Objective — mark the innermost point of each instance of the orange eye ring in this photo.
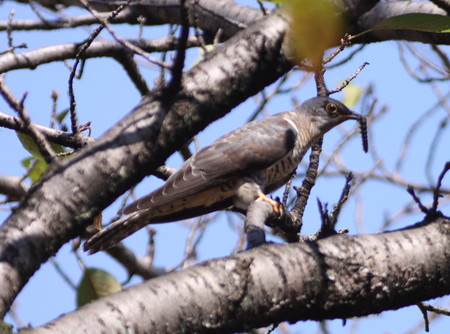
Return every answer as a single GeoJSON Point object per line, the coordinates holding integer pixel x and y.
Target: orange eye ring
{"type": "Point", "coordinates": [331, 108]}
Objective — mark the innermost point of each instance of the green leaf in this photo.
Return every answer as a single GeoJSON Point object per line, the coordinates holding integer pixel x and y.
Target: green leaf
{"type": "Point", "coordinates": [421, 22]}
{"type": "Point", "coordinates": [418, 21]}
{"type": "Point", "coordinates": [94, 284]}
{"type": "Point", "coordinates": [60, 117]}
{"type": "Point", "coordinates": [29, 144]}
{"type": "Point", "coordinates": [35, 168]}
{"type": "Point", "coordinates": [352, 94]}
{"type": "Point", "coordinates": [38, 168]}
{"type": "Point", "coordinates": [57, 148]}
{"type": "Point", "coordinates": [27, 162]}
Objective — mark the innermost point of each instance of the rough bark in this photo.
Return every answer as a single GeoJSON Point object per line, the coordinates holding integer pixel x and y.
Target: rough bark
{"type": "Point", "coordinates": [337, 277]}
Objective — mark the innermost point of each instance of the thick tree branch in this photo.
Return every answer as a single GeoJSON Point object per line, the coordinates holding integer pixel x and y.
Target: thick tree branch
{"type": "Point", "coordinates": [333, 278]}
{"type": "Point", "coordinates": [48, 54]}
{"type": "Point", "coordinates": [90, 180]}
{"type": "Point", "coordinates": [226, 15]}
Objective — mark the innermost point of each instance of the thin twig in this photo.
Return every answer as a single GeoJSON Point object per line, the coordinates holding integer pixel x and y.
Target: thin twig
{"type": "Point", "coordinates": [13, 48]}
{"type": "Point", "coordinates": [436, 192]}
{"type": "Point", "coordinates": [344, 196]}
{"type": "Point", "coordinates": [323, 210]}
{"type": "Point", "coordinates": [195, 22]}
{"type": "Point", "coordinates": [319, 78]}
{"type": "Point", "coordinates": [287, 189]}
{"type": "Point", "coordinates": [425, 316]}
{"type": "Point", "coordinates": [435, 309]}
{"type": "Point", "coordinates": [411, 191]}
{"type": "Point", "coordinates": [309, 180]}
{"type": "Point", "coordinates": [86, 44]}
{"type": "Point", "coordinates": [105, 23]}
{"type": "Point", "coordinates": [64, 276]}
{"type": "Point", "coordinates": [178, 64]}
{"type": "Point", "coordinates": [9, 30]}
{"type": "Point", "coordinates": [54, 97]}
{"type": "Point", "coordinates": [345, 41]}
{"type": "Point", "coordinates": [349, 79]}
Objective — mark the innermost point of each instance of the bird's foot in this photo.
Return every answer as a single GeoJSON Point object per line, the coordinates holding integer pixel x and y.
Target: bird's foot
{"type": "Point", "coordinates": [277, 207]}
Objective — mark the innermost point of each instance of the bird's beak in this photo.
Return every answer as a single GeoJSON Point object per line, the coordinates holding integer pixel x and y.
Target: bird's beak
{"type": "Point", "coordinates": [351, 115]}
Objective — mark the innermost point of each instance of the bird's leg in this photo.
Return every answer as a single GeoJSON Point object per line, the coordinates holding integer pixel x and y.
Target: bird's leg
{"type": "Point", "coordinates": [277, 207]}
{"type": "Point", "coordinates": [258, 212]}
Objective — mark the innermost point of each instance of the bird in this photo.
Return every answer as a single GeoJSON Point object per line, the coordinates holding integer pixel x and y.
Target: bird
{"type": "Point", "coordinates": [235, 170]}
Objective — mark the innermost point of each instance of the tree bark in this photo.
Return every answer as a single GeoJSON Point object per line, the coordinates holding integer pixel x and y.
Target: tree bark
{"type": "Point", "coordinates": [337, 277]}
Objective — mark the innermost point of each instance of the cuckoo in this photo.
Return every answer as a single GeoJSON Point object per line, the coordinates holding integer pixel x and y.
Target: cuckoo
{"type": "Point", "coordinates": [237, 169]}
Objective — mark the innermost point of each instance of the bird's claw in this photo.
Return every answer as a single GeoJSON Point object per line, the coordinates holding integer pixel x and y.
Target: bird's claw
{"type": "Point", "coordinates": [276, 205]}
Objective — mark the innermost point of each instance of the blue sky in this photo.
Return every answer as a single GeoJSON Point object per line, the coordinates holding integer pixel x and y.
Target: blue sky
{"type": "Point", "coordinates": [105, 95]}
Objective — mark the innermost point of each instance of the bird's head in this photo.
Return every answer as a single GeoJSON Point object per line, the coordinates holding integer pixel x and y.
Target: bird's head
{"type": "Point", "coordinates": [325, 113]}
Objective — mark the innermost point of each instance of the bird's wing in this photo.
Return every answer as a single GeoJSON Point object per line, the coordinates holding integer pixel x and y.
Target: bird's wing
{"type": "Point", "coordinates": [253, 147]}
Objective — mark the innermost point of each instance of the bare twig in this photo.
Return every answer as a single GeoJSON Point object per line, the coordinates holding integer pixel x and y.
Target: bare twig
{"type": "Point", "coordinates": [54, 97]}
{"type": "Point", "coordinates": [422, 207]}
{"type": "Point", "coordinates": [349, 79]}
{"type": "Point", "coordinates": [425, 316]}
{"type": "Point", "coordinates": [105, 23]}
{"type": "Point", "coordinates": [61, 272]}
{"type": "Point", "coordinates": [287, 189]}
{"type": "Point", "coordinates": [134, 264]}
{"type": "Point", "coordinates": [9, 29]}
{"type": "Point", "coordinates": [345, 41]}
{"type": "Point", "coordinates": [320, 80]}
{"type": "Point", "coordinates": [13, 48]}
{"type": "Point", "coordinates": [73, 115]}
{"type": "Point", "coordinates": [436, 192]}
{"type": "Point", "coordinates": [324, 217]}
{"type": "Point", "coordinates": [194, 238]}
{"type": "Point", "coordinates": [195, 20]}
{"type": "Point", "coordinates": [435, 309]}
{"type": "Point", "coordinates": [309, 180]}
{"type": "Point", "coordinates": [178, 64]}
{"type": "Point", "coordinates": [344, 196]}
{"type": "Point", "coordinates": [62, 22]}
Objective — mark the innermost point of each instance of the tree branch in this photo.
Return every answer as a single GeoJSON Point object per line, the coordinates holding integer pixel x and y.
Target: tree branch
{"type": "Point", "coordinates": [57, 136]}
{"type": "Point", "coordinates": [333, 278]}
{"type": "Point", "coordinates": [12, 187]}
{"type": "Point", "coordinates": [225, 15]}
{"type": "Point", "coordinates": [131, 150]}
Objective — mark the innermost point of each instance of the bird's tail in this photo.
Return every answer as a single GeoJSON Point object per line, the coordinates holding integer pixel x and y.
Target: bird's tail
{"type": "Point", "coordinates": [115, 232]}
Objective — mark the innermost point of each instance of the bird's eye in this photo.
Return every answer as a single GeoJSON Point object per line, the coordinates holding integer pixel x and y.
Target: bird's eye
{"type": "Point", "coordinates": [331, 108]}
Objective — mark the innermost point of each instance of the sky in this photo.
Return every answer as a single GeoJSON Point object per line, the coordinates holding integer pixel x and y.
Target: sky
{"type": "Point", "coordinates": [105, 95]}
